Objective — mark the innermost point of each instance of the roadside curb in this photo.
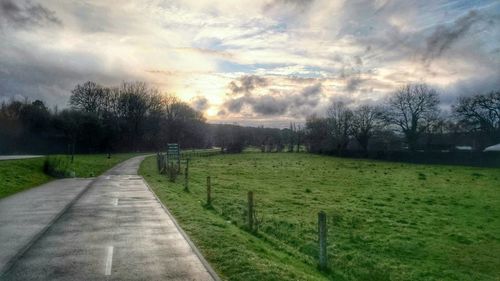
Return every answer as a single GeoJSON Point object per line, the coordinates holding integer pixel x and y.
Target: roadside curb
{"type": "Point", "coordinates": [205, 263]}
{"type": "Point", "coordinates": [8, 266]}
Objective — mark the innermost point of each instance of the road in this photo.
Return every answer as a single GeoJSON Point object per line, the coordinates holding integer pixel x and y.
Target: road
{"type": "Point", "coordinates": [15, 157]}
{"type": "Point", "coordinates": [26, 214]}
{"type": "Point", "coordinates": [116, 230]}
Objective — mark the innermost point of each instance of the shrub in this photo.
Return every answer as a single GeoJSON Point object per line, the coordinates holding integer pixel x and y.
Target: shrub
{"type": "Point", "coordinates": [58, 167]}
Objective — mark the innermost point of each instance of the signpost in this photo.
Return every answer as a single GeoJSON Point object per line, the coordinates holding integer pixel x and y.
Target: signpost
{"type": "Point", "coordinates": [174, 155]}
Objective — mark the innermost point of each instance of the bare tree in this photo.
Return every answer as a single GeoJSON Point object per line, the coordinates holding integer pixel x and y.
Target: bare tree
{"type": "Point", "coordinates": [89, 97]}
{"type": "Point", "coordinates": [365, 120]}
{"type": "Point", "coordinates": [340, 118]}
{"type": "Point", "coordinates": [412, 109]}
{"type": "Point", "coordinates": [481, 112]}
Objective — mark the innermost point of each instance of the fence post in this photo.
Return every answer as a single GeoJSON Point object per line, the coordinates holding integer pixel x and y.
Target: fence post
{"type": "Point", "coordinates": [186, 178]}
{"type": "Point", "coordinates": [209, 192]}
{"type": "Point", "coordinates": [158, 162]}
{"type": "Point", "coordinates": [322, 239]}
{"type": "Point", "coordinates": [250, 211]}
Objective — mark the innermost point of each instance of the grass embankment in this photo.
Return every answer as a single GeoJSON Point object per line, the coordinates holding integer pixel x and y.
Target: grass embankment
{"type": "Point", "coordinates": [387, 221]}
{"type": "Point", "coordinates": [18, 175]}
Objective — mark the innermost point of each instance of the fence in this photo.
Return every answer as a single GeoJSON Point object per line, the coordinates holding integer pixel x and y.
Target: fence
{"type": "Point", "coordinates": [251, 221]}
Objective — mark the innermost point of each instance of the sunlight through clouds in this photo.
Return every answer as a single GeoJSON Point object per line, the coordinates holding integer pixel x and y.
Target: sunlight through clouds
{"type": "Point", "coordinates": [356, 50]}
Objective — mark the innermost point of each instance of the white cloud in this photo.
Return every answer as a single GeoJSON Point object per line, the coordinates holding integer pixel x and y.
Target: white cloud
{"type": "Point", "coordinates": [195, 48]}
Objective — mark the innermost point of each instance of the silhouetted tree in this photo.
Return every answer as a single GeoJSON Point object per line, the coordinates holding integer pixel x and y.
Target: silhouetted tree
{"type": "Point", "coordinates": [412, 109]}
{"type": "Point", "coordinates": [482, 113]}
{"type": "Point", "coordinates": [88, 97]}
{"type": "Point", "coordinates": [365, 121]}
{"type": "Point", "coordinates": [340, 121]}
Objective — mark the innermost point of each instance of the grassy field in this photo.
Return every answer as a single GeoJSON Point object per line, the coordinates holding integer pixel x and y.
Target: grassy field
{"type": "Point", "coordinates": [387, 221]}
{"type": "Point", "coordinates": [18, 175]}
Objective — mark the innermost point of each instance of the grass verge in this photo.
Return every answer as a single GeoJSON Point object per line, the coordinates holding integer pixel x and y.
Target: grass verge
{"type": "Point", "coordinates": [18, 175]}
{"type": "Point", "coordinates": [387, 221]}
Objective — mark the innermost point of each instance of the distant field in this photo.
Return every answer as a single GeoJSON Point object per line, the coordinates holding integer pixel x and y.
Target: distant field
{"type": "Point", "coordinates": [18, 175]}
{"type": "Point", "coordinates": [387, 221]}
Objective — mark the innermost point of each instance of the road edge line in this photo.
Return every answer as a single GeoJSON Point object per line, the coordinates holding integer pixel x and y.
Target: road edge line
{"type": "Point", "coordinates": [197, 252]}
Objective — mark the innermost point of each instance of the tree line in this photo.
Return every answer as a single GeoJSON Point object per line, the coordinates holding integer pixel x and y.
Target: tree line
{"type": "Point", "coordinates": [410, 119]}
{"type": "Point", "coordinates": [134, 116]}
{"type": "Point", "coordinates": [130, 117]}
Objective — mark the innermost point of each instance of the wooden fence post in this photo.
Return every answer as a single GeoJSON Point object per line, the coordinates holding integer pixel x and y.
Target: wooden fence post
{"type": "Point", "coordinates": [250, 211]}
{"type": "Point", "coordinates": [209, 192]}
{"type": "Point", "coordinates": [322, 240]}
{"type": "Point", "coordinates": [186, 176]}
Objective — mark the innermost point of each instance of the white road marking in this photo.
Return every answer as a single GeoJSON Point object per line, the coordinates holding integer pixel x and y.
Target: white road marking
{"type": "Point", "coordinates": [115, 202]}
{"type": "Point", "coordinates": [109, 260]}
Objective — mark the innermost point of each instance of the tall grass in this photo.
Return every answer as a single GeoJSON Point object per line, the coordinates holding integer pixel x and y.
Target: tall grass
{"type": "Point", "coordinates": [58, 167]}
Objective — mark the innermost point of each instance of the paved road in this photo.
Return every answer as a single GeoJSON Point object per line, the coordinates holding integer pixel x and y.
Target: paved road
{"type": "Point", "coordinates": [25, 214]}
{"type": "Point", "coordinates": [116, 230]}
{"type": "Point", "coordinates": [15, 157]}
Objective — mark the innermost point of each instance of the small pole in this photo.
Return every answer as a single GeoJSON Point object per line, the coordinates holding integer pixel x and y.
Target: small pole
{"type": "Point", "coordinates": [73, 152]}
{"type": "Point", "coordinates": [186, 177]}
{"type": "Point", "coordinates": [322, 239]}
{"type": "Point", "coordinates": [250, 211]}
{"type": "Point", "coordinates": [209, 192]}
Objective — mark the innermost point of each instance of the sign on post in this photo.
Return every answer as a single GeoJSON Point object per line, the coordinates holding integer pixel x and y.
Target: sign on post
{"type": "Point", "coordinates": [174, 155]}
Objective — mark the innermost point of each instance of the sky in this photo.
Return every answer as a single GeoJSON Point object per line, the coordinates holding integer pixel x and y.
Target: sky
{"type": "Point", "coordinates": [255, 62]}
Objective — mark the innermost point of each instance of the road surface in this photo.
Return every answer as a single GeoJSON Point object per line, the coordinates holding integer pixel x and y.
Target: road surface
{"type": "Point", "coordinates": [116, 230]}
{"type": "Point", "coordinates": [25, 214]}
{"type": "Point", "coordinates": [15, 157]}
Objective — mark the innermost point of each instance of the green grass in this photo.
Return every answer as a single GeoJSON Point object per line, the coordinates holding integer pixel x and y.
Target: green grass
{"type": "Point", "coordinates": [18, 175]}
{"type": "Point", "coordinates": [387, 221]}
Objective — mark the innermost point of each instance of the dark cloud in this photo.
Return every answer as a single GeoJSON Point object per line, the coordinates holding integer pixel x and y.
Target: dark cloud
{"type": "Point", "coordinates": [352, 84]}
{"type": "Point", "coordinates": [268, 105]}
{"type": "Point", "coordinates": [274, 102]}
{"type": "Point", "coordinates": [444, 36]}
{"type": "Point", "coordinates": [200, 103]}
{"type": "Point", "coordinates": [28, 72]}
{"type": "Point", "coordinates": [26, 14]}
{"type": "Point", "coordinates": [235, 105]}
{"type": "Point", "coordinates": [309, 96]}
{"type": "Point", "coordinates": [470, 87]}
{"type": "Point", "coordinates": [247, 83]}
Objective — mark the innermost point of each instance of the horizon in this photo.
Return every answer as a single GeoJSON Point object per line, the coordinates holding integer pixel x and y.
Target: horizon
{"type": "Point", "coordinates": [259, 63]}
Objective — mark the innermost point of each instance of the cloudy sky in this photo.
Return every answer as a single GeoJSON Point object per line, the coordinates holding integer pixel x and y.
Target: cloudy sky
{"type": "Point", "coordinates": [260, 62]}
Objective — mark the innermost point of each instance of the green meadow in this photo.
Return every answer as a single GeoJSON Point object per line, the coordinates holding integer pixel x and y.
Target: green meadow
{"type": "Point", "coordinates": [386, 221]}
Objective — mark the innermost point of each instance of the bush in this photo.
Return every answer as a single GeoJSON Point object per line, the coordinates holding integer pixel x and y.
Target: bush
{"type": "Point", "coordinates": [58, 167]}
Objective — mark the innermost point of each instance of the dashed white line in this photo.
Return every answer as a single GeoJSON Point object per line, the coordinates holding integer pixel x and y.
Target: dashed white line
{"type": "Point", "coordinates": [109, 261]}
{"type": "Point", "coordinates": [115, 202]}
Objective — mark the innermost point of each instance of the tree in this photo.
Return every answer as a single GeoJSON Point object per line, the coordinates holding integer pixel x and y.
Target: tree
{"type": "Point", "coordinates": [482, 113]}
{"type": "Point", "coordinates": [412, 109]}
{"type": "Point", "coordinates": [317, 135]}
{"type": "Point", "coordinates": [133, 105]}
{"type": "Point", "coordinates": [340, 121]}
{"type": "Point", "coordinates": [365, 120]}
{"type": "Point", "coordinates": [89, 97]}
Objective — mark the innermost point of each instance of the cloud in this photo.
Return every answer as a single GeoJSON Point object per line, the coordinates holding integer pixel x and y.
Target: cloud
{"type": "Point", "coordinates": [258, 95]}
{"type": "Point", "coordinates": [308, 96]}
{"type": "Point", "coordinates": [21, 14]}
{"type": "Point", "coordinates": [200, 103]}
{"type": "Point", "coordinates": [444, 36]}
{"type": "Point", "coordinates": [247, 83]}
{"type": "Point", "coordinates": [271, 61]}
{"type": "Point", "coordinates": [352, 84]}
{"type": "Point", "coordinates": [269, 105]}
